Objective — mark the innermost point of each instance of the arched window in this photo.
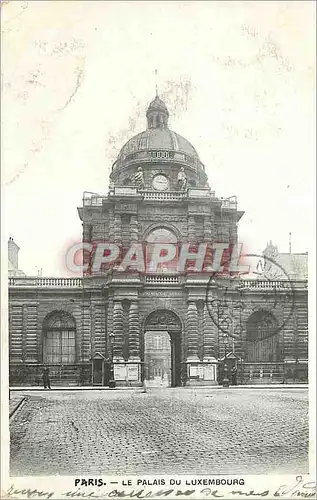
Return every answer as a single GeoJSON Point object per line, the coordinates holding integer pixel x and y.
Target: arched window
{"type": "Point", "coordinates": [261, 325]}
{"type": "Point", "coordinates": [59, 330]}
{"type": "Point", "coordinates": [127, 181]}
{"type": "Point", "coordinates": [262, 337]}
{"type": "Point", "coordinates": [161, 235]}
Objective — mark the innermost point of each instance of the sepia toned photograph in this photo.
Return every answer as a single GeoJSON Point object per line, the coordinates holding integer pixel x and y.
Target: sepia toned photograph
{"type": "Point", "coordinates": [158, 167]}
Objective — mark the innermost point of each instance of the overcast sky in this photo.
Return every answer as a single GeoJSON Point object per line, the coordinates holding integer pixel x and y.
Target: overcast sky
{"type": "Point", "coordinates": [238, 79]}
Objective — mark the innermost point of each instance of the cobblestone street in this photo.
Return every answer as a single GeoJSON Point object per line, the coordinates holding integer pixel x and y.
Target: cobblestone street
{"type": "Point", "coordinates": [172, 431]}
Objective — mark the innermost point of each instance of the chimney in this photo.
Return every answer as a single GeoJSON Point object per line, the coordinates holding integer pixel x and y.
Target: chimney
{"type": "Point", "coordinates": [13, 253]}
{"type": "Point", "coordinates": [290, 242]}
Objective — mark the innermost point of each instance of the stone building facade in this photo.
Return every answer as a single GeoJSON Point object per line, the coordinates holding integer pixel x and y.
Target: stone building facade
{"type": "Point", "coordinates": [158, 193]}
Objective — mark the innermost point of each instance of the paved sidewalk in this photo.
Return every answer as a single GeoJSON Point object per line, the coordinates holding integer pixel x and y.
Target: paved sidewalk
{"type": "Point", "coordinates": [73, 388]}
{"type": "Point", "coordinates": [191, 387]}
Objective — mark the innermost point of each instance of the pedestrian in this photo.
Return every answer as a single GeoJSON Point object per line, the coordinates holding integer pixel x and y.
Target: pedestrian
{"type": "Point", "coordinates": [234, 375]}
{"type": "Point", "coordinates": [46, 378]}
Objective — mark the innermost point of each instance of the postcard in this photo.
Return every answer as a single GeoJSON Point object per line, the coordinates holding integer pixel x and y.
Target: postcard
{"type": "Point", "coordinates": [158, 274]}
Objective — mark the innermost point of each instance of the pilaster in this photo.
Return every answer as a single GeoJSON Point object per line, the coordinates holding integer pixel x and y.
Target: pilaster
{"type": "Point", "coordinates": [134, 332]}
{"type": "Point", "coordinates": [118, 331]}
{"type": "Point", "coordinates": [207, 229]}
{"type": "Point", "coordinates": [117, 228]}
{"type": "Point", "coordinates": [134, 236]}
{"type": "Point", "coordinates": [191, 228]}
{"type": "Point", "coordinates": [208, 335]}
{"type": "Point", "coordinates": [192, 332]}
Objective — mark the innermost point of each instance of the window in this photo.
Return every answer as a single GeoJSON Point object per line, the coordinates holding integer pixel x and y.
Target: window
{"type": "Point", "coordinates": [161, 235]}
{"type": "Point", "coordinates": [127, 181]}
{"type": "Point", "coordinates": [261, 325]}
{"type": "Point", "coordinates": [262, 340]}
{"type": "Point", "coordinates": [59, 338]}
{"type": "Point", "coordinates": [158, 342]}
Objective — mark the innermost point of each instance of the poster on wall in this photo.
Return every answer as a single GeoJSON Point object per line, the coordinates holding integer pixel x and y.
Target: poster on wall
{"type": "Point", "coordinates": [133, 372]}
{"type": "Point", "coordinates": [120, 372]}
{"type": "Point", "coordinates": [193, 371]}
{"type": "Point", "coordinates": [209, 372]}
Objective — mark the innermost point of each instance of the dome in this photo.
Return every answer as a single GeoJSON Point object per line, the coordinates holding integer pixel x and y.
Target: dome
{"type": "Point", "coordinates": [158, 138]}
{"type": "Point", "coordinates": [157, 147]}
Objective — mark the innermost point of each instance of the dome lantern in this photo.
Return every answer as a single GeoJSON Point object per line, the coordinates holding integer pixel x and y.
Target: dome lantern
{"type": "Point", "coordinates": [157, 114]}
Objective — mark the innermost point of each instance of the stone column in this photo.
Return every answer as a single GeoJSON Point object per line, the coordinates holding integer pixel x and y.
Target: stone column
{"type": "Point", "coordinates": [92, 330]}
{"type": "Point", "coordinates": [191, 228]}
{"type": "Point", "coordinates": [111, 225]}
{"type": "Point", "coordinates": [208, 240]}
{"type": "Point", "coordinates": [209, 338]}
{"type": "Point", "coordinates": [134, 228]}
{"type": "Point", "coordinates": [134, 332]}
{"type": "Point", "coordinates": [233, 233]}
{"type": "Point", "coordinates": [118, 331]}
{"type": "Point", "coordinates": [192, 331]}
{"type": "Point", "coordinates": [117, 228]}
{"type": "Point", "coordinates": [207, 229]}
{"type": "Point", "coordinates": [213, 226]}
{"type": "Point", "coordinates": [24, 331]}
{"type": "Point", "coordinates": [225, 232]}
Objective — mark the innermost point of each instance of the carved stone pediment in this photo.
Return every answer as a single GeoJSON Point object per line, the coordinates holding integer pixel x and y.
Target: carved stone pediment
{"type": "Point", "coordinates": [163, 319]}
{"type": "Point", "coordinates": [98, 355]}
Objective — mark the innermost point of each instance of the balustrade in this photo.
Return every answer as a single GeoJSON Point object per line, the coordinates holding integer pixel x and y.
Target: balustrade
{"type": "Point", "coordinates": [97, 200]}
{"type": "Point", "coordinates": [161, 279]}
{"type": "Point", "coordinates": [266, 284]}
{"type": "Point", "coordinates": [163, 195]}
{"type": "Point", "coordinates": [45, 282]}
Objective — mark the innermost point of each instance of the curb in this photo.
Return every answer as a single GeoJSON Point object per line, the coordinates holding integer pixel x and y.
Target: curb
{"type": "Point", "coordinates": [17, 406]}
{"type": "Point", "coordinates": [257, 386]}
{"type": "Point", "coordinates": [74, 388]}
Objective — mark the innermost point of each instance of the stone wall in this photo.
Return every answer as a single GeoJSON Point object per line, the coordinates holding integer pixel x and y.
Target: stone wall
{"type": "Point", "coordinates": [123, 309]}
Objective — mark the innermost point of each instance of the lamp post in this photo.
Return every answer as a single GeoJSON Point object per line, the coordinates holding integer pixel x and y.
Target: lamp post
{"type": "Point", "coordinates": [225, 382]}
{"type": "Point", "coordinates": [112, 382]}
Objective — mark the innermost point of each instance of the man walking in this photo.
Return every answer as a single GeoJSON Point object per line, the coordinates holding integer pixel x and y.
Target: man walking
{"type": "Point", "coordinates": [46, 378]}
{"type": "Point", "coordinates": [234, 375]}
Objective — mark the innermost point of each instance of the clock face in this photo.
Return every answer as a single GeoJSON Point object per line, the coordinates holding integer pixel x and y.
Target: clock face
{"type": "Point", "coordinates": [160, 182]}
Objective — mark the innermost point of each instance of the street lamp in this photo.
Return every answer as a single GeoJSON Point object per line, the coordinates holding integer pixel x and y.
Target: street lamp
{"type": "Point", "coordinates": [225, 382]}
{"type": "Point", "coordinates": [112, 382]}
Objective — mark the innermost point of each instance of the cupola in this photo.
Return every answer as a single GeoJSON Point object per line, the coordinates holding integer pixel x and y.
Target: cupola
{"type": "Point", "coordinates": [157, 114]}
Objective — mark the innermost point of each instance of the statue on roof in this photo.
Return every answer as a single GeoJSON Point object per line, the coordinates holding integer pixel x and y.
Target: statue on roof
{"type": "Point", "coordinates": [182, 179]}
{"type": "Point", "coordinates": [266, 267]}
{"type": "Point", "coordinates": [139, 178]}
{"type": "Point", "coordinates": [270, 251]}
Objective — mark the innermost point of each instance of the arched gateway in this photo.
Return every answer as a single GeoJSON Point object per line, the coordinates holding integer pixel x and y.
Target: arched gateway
{"type": "Point", "coordinates": [156, 323]}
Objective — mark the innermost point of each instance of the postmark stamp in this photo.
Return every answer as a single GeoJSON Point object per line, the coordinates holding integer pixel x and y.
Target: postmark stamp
{"type": "Point", "coordinates": [267, 287]}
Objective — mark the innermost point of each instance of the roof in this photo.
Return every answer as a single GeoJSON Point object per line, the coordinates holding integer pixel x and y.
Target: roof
{"type": "Point", "coordinates": [15, 272]}
{"type": "Point", "coordinates": [158, 138]}
{"type": "Point", "coordinates": [295, 265]}
{"type": "Point", "coordinates": [157, 105]}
